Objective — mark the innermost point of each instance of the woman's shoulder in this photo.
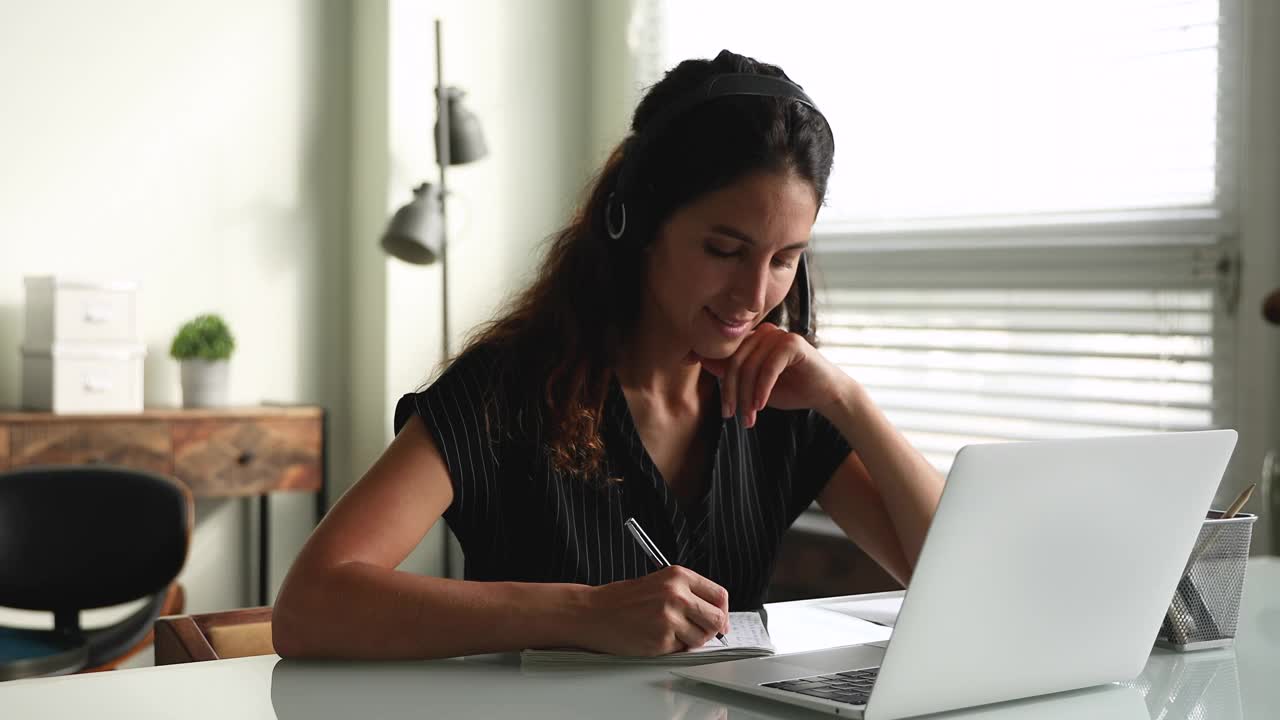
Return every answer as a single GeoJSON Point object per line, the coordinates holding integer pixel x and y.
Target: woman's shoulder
{"type": "Point", "coordinates": [466, 375]}
{"type": "Point", "coordinates": [484, 360]}
{"type": "Point", "coordinates": [487, 366]}
{"type": "Point", "coordinates": [482, 380]}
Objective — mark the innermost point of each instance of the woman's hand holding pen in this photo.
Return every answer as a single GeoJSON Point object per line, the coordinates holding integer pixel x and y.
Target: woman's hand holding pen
{"type": "Point", "coordinates": [776, 368]}
{"type": "Point", "coordinates": [667, 611]}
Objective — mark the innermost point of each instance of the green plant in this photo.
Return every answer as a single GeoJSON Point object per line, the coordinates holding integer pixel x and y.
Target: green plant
{"type": "Point", "coordinates": [205, 337]}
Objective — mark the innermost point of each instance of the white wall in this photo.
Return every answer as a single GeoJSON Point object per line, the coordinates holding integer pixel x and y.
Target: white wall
{"type": "Point", "coordinates": [243, 158]}
{"type": "Point", "coordinates": [201, 149]}
{"type": "Point", "coordinates": [615, 75]}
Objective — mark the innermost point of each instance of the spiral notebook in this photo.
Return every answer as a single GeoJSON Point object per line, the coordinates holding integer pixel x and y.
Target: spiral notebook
{"type": "Point", "coordinates": [747, 637]}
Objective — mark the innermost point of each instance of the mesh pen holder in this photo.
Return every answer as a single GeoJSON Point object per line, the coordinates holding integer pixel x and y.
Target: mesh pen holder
{"type": "Point", "coordinates": [1206, 605]}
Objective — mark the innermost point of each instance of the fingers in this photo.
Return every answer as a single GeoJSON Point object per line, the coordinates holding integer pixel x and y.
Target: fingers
{"type": "Point", "coordinates": [706, 617]}
{"type": "Point", "coordinates": [667, 611]}
{"type": "Point", "coordinates": [712, 602]}
{"type": "Point", "coordinates": [770, 346]}
{"type": "Point", "coordinates": [770, 369]}
{"type": "Point", "coordinates": [730, 381]}
{"type": "Point", "coordinates": [706, 589]}
{"type": "Point", "coordinates": [746, 386]}
{"type": "Point", "coordinates": [692, 635]}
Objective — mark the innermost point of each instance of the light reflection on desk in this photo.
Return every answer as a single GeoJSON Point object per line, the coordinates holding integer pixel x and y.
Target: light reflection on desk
{"type": "Point", "coordinates": [483, 686]}
{"type": "Point", "coordinates": [1201, 684]}
{"type": "Point", "coordinates": [497, 685]}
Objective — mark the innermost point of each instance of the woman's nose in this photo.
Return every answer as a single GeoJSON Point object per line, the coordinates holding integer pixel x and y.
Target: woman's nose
{"type": "Point", "coordinates": [751, 284]}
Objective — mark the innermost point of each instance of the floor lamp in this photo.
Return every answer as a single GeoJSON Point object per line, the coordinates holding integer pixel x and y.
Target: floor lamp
{"type": "Point", "coordinates": [418, 232]}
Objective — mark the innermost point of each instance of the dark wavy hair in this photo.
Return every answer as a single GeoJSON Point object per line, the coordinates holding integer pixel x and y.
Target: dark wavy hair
{"type": "Point", "coordinates": [556, 345]}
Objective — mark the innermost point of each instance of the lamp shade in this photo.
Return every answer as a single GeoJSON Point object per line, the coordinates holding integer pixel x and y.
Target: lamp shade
{"type": "Point", "coordinates": [414, 233]}
{"type": "Point", "coordinates": [466, 139]}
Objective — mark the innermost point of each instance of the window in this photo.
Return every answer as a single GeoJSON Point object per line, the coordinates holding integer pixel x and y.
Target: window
{"type": "Point", "coordinates": [1029, 228]}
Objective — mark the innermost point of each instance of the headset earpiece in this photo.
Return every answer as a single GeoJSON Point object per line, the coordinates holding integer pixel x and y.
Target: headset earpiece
{"type": "Point", "coordinates": [615, 230]}
{"type": "Point", "coordinates": [800, 324]}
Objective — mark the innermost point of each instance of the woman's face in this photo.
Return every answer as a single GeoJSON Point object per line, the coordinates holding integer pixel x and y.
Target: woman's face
{"type": "Point", "coordinates": [721, 263]}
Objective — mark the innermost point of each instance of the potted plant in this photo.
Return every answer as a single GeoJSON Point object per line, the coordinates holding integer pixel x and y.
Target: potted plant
{"type": "Point", "coordinates": [203, 346]}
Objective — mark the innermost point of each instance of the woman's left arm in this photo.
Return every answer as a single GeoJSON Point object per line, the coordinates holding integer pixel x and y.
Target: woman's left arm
{"type": "Point", "coordinates": [884, 494]}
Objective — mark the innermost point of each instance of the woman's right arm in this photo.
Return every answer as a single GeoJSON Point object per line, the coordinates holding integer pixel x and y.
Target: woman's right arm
{"type": "Point", "coordinates": [343, 597]}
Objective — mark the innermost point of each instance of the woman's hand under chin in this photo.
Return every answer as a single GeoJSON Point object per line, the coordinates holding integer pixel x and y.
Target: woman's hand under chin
{"type": "Point", "coordinates": [776, 368]}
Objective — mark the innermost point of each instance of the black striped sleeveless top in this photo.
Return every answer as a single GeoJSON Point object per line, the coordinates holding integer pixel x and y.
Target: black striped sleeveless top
{"type": "Point", "coordinates": [518, 519]}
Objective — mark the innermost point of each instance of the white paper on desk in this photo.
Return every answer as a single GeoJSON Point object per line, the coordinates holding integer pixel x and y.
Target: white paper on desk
{"type": "Point", "coordinates": [747, 637]}
{"type": "Point", "coordinates": [817, 627]}
{"type": "Point", "coordinates": [881, 611]}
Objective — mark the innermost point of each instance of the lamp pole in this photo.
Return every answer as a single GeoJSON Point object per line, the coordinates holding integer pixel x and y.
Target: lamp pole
{"type": "Point", "coordinates": [442, 159]}
{"type": "Point", "coordinates": [413, 235]}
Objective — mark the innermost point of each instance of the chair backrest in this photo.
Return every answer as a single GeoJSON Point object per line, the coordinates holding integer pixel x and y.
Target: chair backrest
{"type": "Point", "coordinates": [85, 536]}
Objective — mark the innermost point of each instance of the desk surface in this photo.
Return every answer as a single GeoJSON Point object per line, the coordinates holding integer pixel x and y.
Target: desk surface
{"type": "Point", "coordinates": [1238, 682]}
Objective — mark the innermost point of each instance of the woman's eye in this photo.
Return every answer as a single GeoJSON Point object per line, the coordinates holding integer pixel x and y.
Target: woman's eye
{"type": "Point", "coordinates": [783, 263]}
{"type": "Point", "coordinates": [714, 251]}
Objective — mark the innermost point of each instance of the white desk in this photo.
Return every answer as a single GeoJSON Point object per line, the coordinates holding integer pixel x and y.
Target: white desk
{"type": "Point", "coordinates": [1239, 682]}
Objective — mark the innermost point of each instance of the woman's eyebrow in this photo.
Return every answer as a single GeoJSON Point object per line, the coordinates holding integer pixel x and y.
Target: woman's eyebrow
{"type": "Point", "coordinates": [733, 233]}
{"type": "Point", "coordinates": [739, 235]}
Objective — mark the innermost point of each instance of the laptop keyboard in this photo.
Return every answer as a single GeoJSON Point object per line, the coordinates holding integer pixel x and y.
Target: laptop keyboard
{"type": "Point", "coordinates": [850, 686]}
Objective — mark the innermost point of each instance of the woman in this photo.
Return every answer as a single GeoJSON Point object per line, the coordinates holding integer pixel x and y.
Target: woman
{"type": "Point", "coordinates": [644, 373]}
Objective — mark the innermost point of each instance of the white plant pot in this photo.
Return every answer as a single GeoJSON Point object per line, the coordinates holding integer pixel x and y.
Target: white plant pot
{"type": "Point", "coordinates": [204, 383]}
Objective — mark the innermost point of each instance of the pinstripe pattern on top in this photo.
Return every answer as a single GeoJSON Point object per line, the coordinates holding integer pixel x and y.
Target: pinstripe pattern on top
{"type": "Point", "coordinates": [519, 519]}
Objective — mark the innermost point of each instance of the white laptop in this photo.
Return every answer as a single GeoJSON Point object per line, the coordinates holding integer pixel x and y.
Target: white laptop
{"type": "Point", "coordinates": [1048, 567]}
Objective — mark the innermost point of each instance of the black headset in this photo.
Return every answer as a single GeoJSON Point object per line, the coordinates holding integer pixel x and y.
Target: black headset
{"type": "Point", "coordinates": [716, 87]}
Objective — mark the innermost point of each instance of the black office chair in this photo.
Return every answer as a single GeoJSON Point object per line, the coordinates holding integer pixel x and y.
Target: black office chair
{"type": "Point", "coordinates": [79, 537]}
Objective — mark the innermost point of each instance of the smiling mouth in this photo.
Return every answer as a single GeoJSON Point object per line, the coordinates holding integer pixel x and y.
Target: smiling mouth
{"type": "Point", "coordinates": [731, 325]}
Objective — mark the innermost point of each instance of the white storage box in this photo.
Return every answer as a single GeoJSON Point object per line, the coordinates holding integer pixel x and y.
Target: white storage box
{"type": "Point", "coordinates": [83, 378]}
{"type": "Point", "coordinates": [74, 310]}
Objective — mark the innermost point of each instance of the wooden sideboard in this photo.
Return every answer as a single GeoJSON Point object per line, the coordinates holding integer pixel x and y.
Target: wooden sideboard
{"type": "Point", "coordinates": [224, 452]}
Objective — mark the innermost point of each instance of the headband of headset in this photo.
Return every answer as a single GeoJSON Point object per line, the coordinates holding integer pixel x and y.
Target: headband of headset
{"type": "Point", "coordinates": [715, 87]}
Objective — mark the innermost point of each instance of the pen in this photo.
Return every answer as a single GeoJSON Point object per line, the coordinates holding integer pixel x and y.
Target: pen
{"type": "Point", "coordinates": [655, 554]}
{"type": "Point", "coordinates": [1238, 503]}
